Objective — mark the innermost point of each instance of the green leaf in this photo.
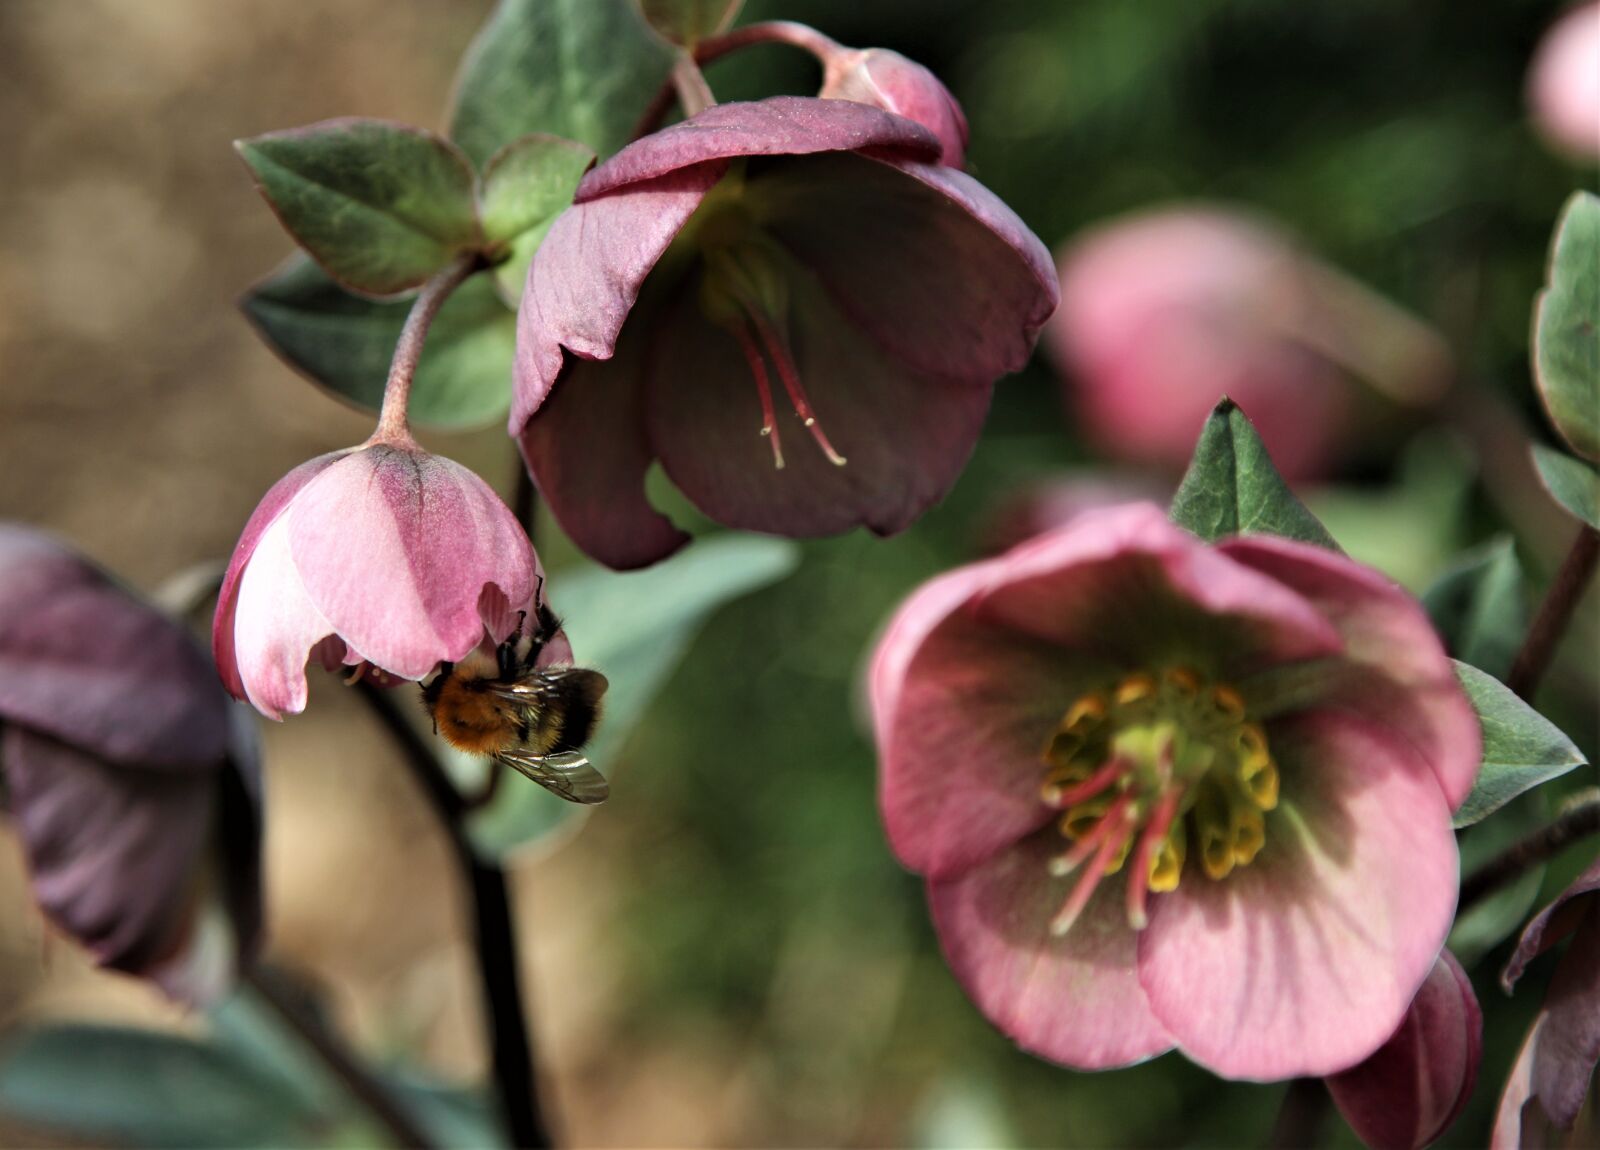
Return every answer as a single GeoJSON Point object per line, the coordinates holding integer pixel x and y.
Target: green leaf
{"type": "Point", "coordinates": [343, 343]}
{"type": "Point", "coordinates": [1479, 609]}
{"type": "Point", "coordinates": [143, 1088]}
{"type": "Point", "coordinates": [380, 206]}
{"type": "Point", "coordinates": [1492, 920]}
{"type": "Point", "coordinates": [1521, 748]}
{"type": "Point", "coordinates": [1232, 488]}
{"type": "Point", "coordinates": [583, 69]}
{"type": "Point", "coordinates": [1566, 328]}
{"type": "Point", "coordinates": [1573, 483]}
{"type": "Point", "coordinates": [633, 626]}
{"type": "Point", "coordinates": [685, 21]}
{"type": "Point", "coordinates": [526, 185]}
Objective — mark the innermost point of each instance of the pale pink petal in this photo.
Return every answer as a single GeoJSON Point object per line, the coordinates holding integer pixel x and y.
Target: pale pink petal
{"type": "Point", "coordinates": [779, 126]}
{"type": "Point", "coordinates": [1074, 1000]}
{"type": "Point", "coordinates": [395, 547]}
{"type": "Point", "coordinates": [1406, 679]}
{"type": "Point", "coordinates": [275, 626]}
{"type": "Point", "coordinates": [1304, 961]}
{"type": "Point", "coordinates": [1564, 83]}
{"type": "Point", "coordinates": [1410, 1091]}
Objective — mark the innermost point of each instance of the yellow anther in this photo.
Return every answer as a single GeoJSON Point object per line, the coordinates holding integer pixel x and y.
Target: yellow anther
{"type": "Point", "coordinates": [1084, 714]}
{"type": "Point", "coordinates": [1249, 833]}
{"type": "Point", "coordinates": [1229, 703]}
{"type": "Point", "coordinates": [1081, 819]}
{"type": "Point", "coordinates": [1166, 864]}
{"type": "Point", "coordinates": [1260, 782]}
{"type": "Point", "coordinates": [1251, 743]}
{"type": "Point", "coordinates": [1134, 688]}
{"type": "Point", "coordinates": [1216, 852]}
{"type": "Point", "coordinates": [1184, 681]}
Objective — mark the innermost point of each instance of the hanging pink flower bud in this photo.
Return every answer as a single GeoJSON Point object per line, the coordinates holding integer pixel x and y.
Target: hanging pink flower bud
{"type": "Point", "coordinates": [381, 557]}
{"type": "Point", "coordinates": [886, 79]}
{"type": "Point", "coordinates": [1415, 1085]}
{"type": "Point", "coordinates": [134, 790]}
{"type": "Point", "coordinates": [1564, 83]}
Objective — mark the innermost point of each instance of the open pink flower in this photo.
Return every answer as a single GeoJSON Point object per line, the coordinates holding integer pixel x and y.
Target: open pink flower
{"type": "Point", "coordinates": [1168, 794]}
{"type": "Point", "coordinates": [382, 557]}
{"type": "Point", "coordinates": [1564, 83]}
{"type": "Point", "coordinates": [134, 792]}
{"type": "Point", "coordinates": [791, 305]}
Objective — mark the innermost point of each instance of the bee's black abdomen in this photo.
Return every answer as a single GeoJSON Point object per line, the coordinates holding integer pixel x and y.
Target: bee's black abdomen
{"type": "Point", "coordinates": [578, 693]}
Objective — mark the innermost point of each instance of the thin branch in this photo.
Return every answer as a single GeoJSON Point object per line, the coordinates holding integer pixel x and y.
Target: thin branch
{"type": "Point", "coordinates": [1578, 821]}
{"type": "Point", "coordinates": [494, 933]}
{"type": "Point", "coordinates": [339, 1062]}
{"type": "Point", "coordinates": [392, 421]}
{"type": "Point", "coordinates": [1555, 612]}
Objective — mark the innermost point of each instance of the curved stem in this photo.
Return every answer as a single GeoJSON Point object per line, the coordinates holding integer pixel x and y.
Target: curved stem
{"type": "Point", "coordinates": [1555, 612]}
{"type": "Point", "coordinates": [1580, 820]}
{"type": "Point", "coordinates": [392, 422]}
{"type": "Point", "coordinates": [494, 934]}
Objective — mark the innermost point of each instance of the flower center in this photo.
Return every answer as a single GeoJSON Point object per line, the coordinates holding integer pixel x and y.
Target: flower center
{"type": "Point", "coordinates": [1145, 768]}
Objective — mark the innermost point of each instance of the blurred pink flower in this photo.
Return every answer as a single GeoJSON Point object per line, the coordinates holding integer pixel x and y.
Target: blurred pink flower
{"type": "Point", "coordinates": [135, 792]}
{"type": "Point", "coordinates": [886, 79]}
{"type": "Point", "coordinates": [801, 253]}
{"type": "Point", "coordinates": [1266, 735]}
{"type": "Point", "coordinates": [1050, 503]}
{"type": "Point", "coordinates": [382, 557]}
{"type": "Point", "coordinates": [1564, 83]}
{"type": "Point", "coordinates": [1410, 1091]}
{"type": "Point", "coordinates": [1163, 313]}
{"type": "Point", "coordinates": [1545, 1092]}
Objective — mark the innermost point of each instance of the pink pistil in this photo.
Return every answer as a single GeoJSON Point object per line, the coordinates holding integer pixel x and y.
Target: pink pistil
{"type": "Point", "coordinates": [779, 351]}
{"type": "Point", "coordinates": [1112, 831]}
{"type": "Point", "coordinates": [1149, 840]}
{"type": "Point", "coordinates": [758, 368]}
{"type": "Point", "coordinates": [1063, 797]}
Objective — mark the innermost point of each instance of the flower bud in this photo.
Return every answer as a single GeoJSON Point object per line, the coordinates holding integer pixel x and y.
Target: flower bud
{"type": "Point", "coordinates": [886, 79]}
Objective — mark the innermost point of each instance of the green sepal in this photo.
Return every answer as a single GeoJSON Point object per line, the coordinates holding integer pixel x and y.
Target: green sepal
{"type": "Point", "coordinates": [1571, 482]}
{"type": "Point", "coordinates": [1479, 608]}
{"type": "Point", "coordinates": [526, 185]}
{"type": "Point", "coordinates": [381, 206]}
{"type": "Point", "coordinates": [1232, 487]}
{"type": "Point", "coordinates": [1566, 327]}
{"type": "Point", "coordinates": [1521, 748]}
{"type": "Point", "coordinates": [344, 342]}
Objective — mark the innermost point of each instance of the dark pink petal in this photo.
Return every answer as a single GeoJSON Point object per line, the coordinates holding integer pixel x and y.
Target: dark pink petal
{"type": "Point", "coordinates": [1406, 679]}
{"type": "Point", "coordinates": [395, 548]}
{"type": "Point", "coordinates": [927, 261]}
{"type": "Point", "coordinates": [83, 660]}
{"type": "Point", "coordinates": [1305, 961]}
{"type": "Point", "coordinates": [1125, 583]}
{"type": "Point", "coordinates": [1553, 923]}
{"type": "Point", "coordinates": [1074, 1000]}
{"type": "Point", "coordinates": [888, 80]}
{"type": "Point", "coordinates": [586, 275]}
{"type": "Point", "coordinates": [779, 126]}
{"type": "Point", "coordinates": [906, 436]}
{"type": "Point", "coordinates": [223, 648]}
{"type": "Point", "coordinates": [1410, 1091]}
{"type": "Point", "coordinates": [964, 711]}
{"type": "Point", "coordinates": [1568, 1049]}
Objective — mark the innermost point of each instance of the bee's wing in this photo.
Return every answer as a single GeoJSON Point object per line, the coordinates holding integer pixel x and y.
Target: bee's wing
{"type": "Point", "coordinates": [567, 774]}
{"type": "Point", "coordinates": [544, 685]}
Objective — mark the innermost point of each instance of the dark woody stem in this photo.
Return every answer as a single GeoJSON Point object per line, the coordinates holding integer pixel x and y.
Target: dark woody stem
{"type": "Point", "coordinates": [1550, 623]}
{"type": "Point", "coordinates": [494, 934]}
{"type": "Point", "coordinates": [393, 425]}
{"type": "Point", "coordinates": [1579, 820]}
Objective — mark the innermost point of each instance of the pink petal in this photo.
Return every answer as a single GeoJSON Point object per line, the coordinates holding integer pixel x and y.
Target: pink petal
{"type": "Point", "coordinates": [1406, 680]}
{"type": "Point", "coordinates": [778, 126]}
{"type": "Point", "coordinates": [1305, 961]}
{"type": "Point", "coordinates": [1568, 1049]}
{"type": "Point", "coordinates": [1074, 1000]}
{"type": "Point", "coordinates": [927, 261]}
{"type": "Point", "coordinates": [1125, 582]}
{"type": "Point", "coordinates": [1553, 923]}
{"type": "Point", "coordinates": [395, 548]}
{"type": "Point", "coordinates": [1415, 1086]}
{"type": "Point", "coordinates": [906, 436]}
{"type": "Point", "coordinates": [275, 626]}
{"type": "Point", "coordinates": [1520, 1120]}
{"type": "Point", "coordinates": [272, 505]}
{"type": "Point", "coordinates": [587, 273]}
{"type": "Point", "coordinates": [888, 80]}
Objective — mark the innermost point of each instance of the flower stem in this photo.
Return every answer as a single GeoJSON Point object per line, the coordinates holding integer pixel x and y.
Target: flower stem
{"type": "Point", "coordinates": [393, 426]}
{"type": "Point", "coordinates": [495, 937]}
{"type": "Point", "coordinates": [339, 1062]}
{"type": "Point", "coordinates": [1579, 820]}
{"type": "Point", "coordinates": [694, 94]}
{"type": "Point", "coordinates": [1550, 623]}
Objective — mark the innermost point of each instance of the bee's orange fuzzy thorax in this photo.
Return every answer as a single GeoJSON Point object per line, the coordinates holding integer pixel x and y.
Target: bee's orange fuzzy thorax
{"type": "Point", "coordinates": [472, 720]}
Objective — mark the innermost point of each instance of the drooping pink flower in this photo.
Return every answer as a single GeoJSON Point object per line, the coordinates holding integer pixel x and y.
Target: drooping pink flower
{"type": "Point", "coordinates": [1163, 313]}
{"type": "Point", "coordinates": [791, 305]}
{"type": "Point", "coordinates": [381, 557]}
{"type": "Point", "coordinates": [134, 793]}
{"type": "Point", "coordinates": [1545, 1092]}
{"type": "Point", "coordinates": [1171, 795]}
{"type": "Point", "coordinates": [1564, 83]}
{"type": "Point", "coordinates": [1410, 1091]}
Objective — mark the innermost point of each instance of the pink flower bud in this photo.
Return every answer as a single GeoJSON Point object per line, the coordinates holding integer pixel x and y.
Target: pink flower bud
{"type": "Point", "coordinates": [382, 557]}
{"type": "Point", "coordinates": [886, 79]}
{"type": "Point", "coordinates": [1415, 1085]}
{"type": "Point", "coordinates": [1564, 83]}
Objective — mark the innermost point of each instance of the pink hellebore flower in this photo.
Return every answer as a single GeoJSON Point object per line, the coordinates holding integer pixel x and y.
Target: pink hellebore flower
{"type": "Point", "coordinates": [381, 557]}
{"type": "Point", "coordinates": [1551, 1079]}
{"type": "Point", "coordinates": [135, 791]}
{"type": "Point", "coordinates": [790, 253]}
{"type": "Point", "coordinates": [1261, 740]}
{"type": "Point", "coordinates": [1410, 1091]}
{"type": "Point", "coordinates": [1564, 83]}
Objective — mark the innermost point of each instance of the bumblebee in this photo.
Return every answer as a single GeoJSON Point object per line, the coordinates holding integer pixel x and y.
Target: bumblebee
{"type": "Point", "coordinates": [533, 719]}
